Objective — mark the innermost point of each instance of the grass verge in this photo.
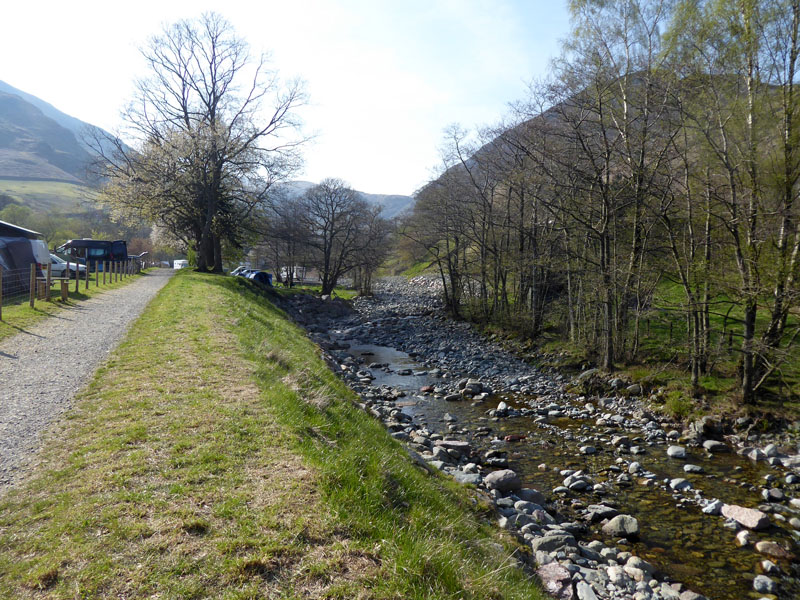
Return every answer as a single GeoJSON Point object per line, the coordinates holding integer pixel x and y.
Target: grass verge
{"type": "Point", "coordinates": [216, 456]}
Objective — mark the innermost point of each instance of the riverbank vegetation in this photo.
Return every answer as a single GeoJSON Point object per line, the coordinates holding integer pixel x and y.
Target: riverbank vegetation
{"type": "Point", "coordinates": [640, 205]}
{"type": "Point", "coordinates": [180, 474]}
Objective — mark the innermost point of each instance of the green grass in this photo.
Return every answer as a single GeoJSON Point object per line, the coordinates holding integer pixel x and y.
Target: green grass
{"type": "Point", "coordinates": [19, 316]}
{"type": "Point", "coordinates": [216, 456]}
{"type": "Point", "coordinates": [339, 292]}
{"type": "Point", "coordinates": [418, 268]}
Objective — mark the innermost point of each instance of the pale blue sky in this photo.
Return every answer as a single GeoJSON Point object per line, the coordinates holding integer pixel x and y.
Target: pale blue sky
{"type": "Point", "coordinates": [384, 77]}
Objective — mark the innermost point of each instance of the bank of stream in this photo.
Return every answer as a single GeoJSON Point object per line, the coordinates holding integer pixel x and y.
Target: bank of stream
{"type": "Point", "coordinates": [708, 520]}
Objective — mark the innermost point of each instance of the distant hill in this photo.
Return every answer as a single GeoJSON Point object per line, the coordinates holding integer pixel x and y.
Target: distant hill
{"type": "Point", "coordinates": [392, 204]}
{"type": "Point", "coordinates": [38, 142]}
{"type": "Point", "coordinates": [76, 126]}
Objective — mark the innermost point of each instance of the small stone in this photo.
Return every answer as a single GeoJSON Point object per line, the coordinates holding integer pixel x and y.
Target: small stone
{"type": "Point", "coordinates": [773, 495]}
{"type": "Point", "coordinates": [772, 549]}
{"type": "Point", "coordinates": [692, 469]}
{"type": "Point", "coordinates": [585, 591]}
{"type": "Point", "coordinates": [770, 567]}
{"type": "Point", "coordinates": [715, 447]}
{"type": "Point", "coordinates": [764, 585]}
{"type": "Point", "coordinates": [637, 563]}
{"type": "Point", "coordinates": [622, 526]}
{"type": "Point", "coordinates": [743, 537]}
{"type": "Point", "coordinates": [552, 543]}
{"type": "Point", "coordinates": [749, 517]}
{"type": "Point", "coordinates": [679, 484]}
{"type": "Point", "coordinates": [588, 450]}
{"type": "Point", "coordinates": [676, 452]}
{"type": "Point", "coordinates": [504, 480]}
{"type": "Point", "coordinates": [713, 508]}
{"type": "Point", "coordinates": [556, 580]}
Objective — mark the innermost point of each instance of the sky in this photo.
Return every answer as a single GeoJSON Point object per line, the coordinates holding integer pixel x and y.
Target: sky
{"type": "Point", "coordinates": [384, 78]}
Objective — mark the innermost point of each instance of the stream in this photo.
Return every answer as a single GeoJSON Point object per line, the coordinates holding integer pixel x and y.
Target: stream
{"type": "Point", "coordinates": [552, 439]}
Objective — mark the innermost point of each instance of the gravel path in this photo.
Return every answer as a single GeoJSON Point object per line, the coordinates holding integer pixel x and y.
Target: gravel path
{"type": "Point", "coordinates": [42, 368]}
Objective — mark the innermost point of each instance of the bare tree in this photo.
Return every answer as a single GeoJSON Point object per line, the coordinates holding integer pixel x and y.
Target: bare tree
{"type": "Point", "coordinates": [212, 129]}
{"type": "Point", "coordinates": [341, 227]}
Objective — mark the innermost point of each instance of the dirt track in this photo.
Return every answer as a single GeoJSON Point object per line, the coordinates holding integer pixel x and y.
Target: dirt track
{"type": "Point", "coordinates": [42, 368]}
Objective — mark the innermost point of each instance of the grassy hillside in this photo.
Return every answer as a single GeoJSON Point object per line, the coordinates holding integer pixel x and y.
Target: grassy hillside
{"type": "Point", "coordinates": [46, 196]}
{"type": "Point", "coordinates": [216, 456]}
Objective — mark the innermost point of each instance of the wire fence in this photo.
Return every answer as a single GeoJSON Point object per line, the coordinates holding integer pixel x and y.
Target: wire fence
{"type": "Point", "coordinates": [35, 283]}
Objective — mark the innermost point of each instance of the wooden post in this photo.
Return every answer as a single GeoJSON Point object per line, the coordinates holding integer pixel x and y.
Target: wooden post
{"type": "Point", "coordinates": [48, 282]}
{"type": "Point", "coordinates": [65, 289]}
{"type": "Point", "coordinates": [88, 272]}
{"type": "Point", "coordinates": [96, 273]}
{"type": "Point", "coordinates": [1, 292]}
{"type": "Point", "coordinates": [33, 285]}
{"type": "Point", "coordinates": [105, 268]}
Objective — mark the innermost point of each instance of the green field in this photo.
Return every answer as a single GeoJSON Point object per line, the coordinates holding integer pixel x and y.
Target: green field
{"type": "Point", "coordinates": [215, 455]}
{"type": "Point", "coordinates": [43, 196]}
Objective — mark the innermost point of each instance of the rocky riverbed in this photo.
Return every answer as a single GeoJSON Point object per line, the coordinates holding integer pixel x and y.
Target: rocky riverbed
{"type": "Point", "coordinates": [613, 500]}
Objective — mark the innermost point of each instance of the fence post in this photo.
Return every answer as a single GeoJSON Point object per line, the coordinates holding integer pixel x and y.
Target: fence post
{"type": "Point", "coordinates": [48, 282]}
{"type": "Point", "coordinates": [33, 285]}
{"type": "Point", "coordinates": [88, 272]}
{"type": "Point", "coordinates": [1, 292]}
{"type": "Point", "coordinates": [105, 268]}
{"type": "Point", "coordinates": [96, 273]}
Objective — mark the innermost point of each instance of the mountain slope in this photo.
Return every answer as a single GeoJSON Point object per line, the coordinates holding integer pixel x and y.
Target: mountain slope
{"type": "Point", "coordinates": [39, 142]}
{"type": "Point", "coordinates": [34, 146]}
{"type": "Point", "coordinates": [76, 126]}
{"type": "Point", "coordinates": [392, 204]}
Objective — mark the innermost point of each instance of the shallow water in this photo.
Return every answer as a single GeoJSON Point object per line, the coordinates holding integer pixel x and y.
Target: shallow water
{"type": "Point", "coordinates": [685, 544]}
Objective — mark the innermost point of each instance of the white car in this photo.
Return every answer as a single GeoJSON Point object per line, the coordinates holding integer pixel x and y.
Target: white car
{"type": "Point", "coordinates": [58, 267]}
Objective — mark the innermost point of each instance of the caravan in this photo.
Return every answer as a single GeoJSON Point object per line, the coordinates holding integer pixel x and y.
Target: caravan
{"type": "Point", "coordinates": [19, 248]}
{"type": "Point", "coordinates": [90, 252]}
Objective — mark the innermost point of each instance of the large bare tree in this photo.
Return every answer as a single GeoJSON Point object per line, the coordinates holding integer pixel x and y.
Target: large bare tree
{"type": "Point", "coordinates": [211, 129]}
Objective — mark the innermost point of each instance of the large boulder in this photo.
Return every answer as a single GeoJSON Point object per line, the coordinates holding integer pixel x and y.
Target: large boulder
{"type": "Point", "coordinates": [622, 526]}
{"type": "Point", "coordinates": [749, 517]}
{"type": "Point", "coordinates": [504, 480]}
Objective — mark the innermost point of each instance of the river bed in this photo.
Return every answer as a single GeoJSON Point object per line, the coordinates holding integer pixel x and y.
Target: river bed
{"type": "Point", "coordinates": [685, 544]}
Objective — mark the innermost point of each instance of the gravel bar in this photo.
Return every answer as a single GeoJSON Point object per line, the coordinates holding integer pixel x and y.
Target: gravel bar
{"type": "Point", "coordinates": [42, 368]}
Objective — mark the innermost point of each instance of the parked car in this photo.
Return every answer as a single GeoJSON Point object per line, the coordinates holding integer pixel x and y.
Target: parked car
{"type": "Point", "coordinates": [58, 267]}
{"type": "Point", "coordinates": [260, 277]}
{"type": "Point", "coordinates": [240, 271]}
{"type": "Point", "coordinates": [180, 264]}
